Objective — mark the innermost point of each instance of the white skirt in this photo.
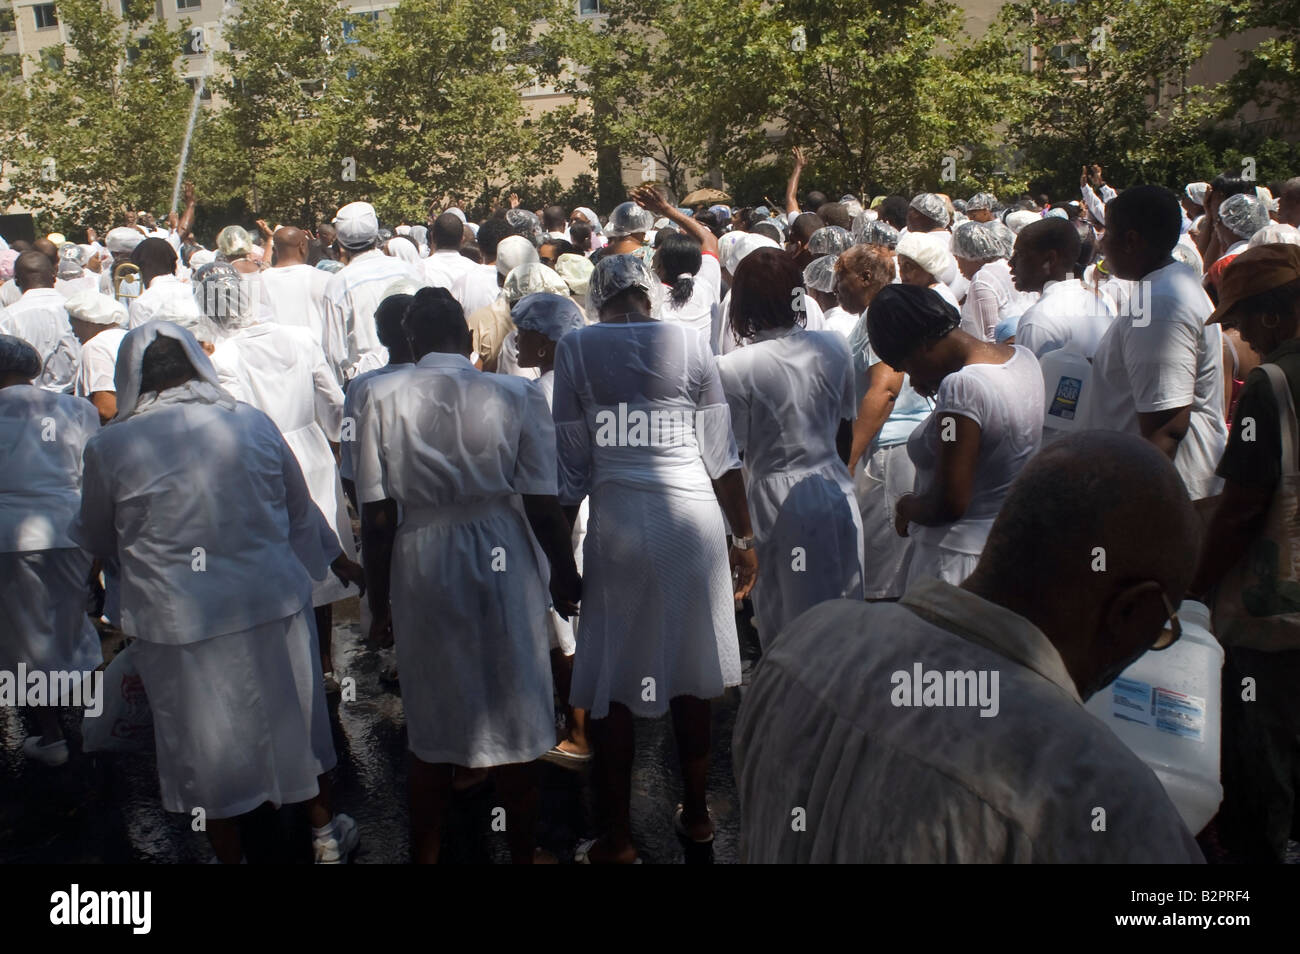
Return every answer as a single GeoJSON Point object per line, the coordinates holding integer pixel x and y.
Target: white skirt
{"type": "Point", "coordinates": [809, 536]}
{"type": "Point", "coordinates": [469, 598]}
{"type": "Point", "coordinates": [940, 563]}
{"type": "Point", "coordinates": [880, 479]}
{"type": "Point", "coordinates": [43, 620]}
{"type": "Point", "coordinates": [319, 470]}
{"type": "Point", "coordinates": [658, 616]}
{"type": "Point", "coordinates": [239, 719]}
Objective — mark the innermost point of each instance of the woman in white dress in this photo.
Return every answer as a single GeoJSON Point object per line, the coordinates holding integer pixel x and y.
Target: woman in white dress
{"type": "Point", "coordinates": [43, 573]}
{"type": "Point", "coordinates": [987, 423]}
{"type": "Point", "coordinates": [543, 319]}
{"type": "Point", "coordinates": [791, 395]}
{"type": "Point", "coordinates": [468, 460]}
{"type": "Point", "coordinates": [643, 428]}
{"type": "Point", "coordinates": [688, 301]}
{"type": "Point", "coordinates": [282, 371]}
{"type": "Point", "coordinates": [203, 506]}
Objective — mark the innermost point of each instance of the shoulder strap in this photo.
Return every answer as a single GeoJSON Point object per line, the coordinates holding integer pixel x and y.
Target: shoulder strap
{"type": "Point", "coordinates": [1286, 417]}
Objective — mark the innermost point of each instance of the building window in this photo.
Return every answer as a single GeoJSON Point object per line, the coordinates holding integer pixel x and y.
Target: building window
{"type": "Point", "coordinates": [588, 8]}
{"type": "Point", "coordinates": [52, 58]}
{"type": "Point", "coordinates": [188, 4]}
{"type": "Point", "coordinates": [7, 22]}
{"type": "Point", "coordinates": [194, 43]}
{"type": "Point", "coordinates": [45, 17]}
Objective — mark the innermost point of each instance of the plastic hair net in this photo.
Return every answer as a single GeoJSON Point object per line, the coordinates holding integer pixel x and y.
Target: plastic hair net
{"type": "Point", "coordinates": [748, 242]}
{"type": "Point", "coordinates": [829, 240]}
{"type": "Point", "coordinates": [1275, 234]}
{"type": "Point", "coordinates": [329, 265]}
{"type": "Point", "coordinates": [551, 315]}
{"type": "Point", "coordinates": [771, 228]}
{"type": "Point", "coordinates": [532, 278]}
{"type": "Point", "coordinates": [18, 357]}
{"type": "Point", "coordinates": [224, 297]}
{"type": "Point", "coordinates": [617, 273]}
{"type": "Point", "coordinates": [1196, 191]}
{"type": "Point", "coordinates": [1006, 238]}
{"type": "Point", "coordinates": [972, 241]}
{"type": "Point", "coordinates": [1243, 215]}
{"type": "Point", "coordinates": [981, 200]}
{"type": "Point", "coordinates": [874, 232]}
{"type": "Point", "coordinates": [1018, 219]}
{"type": "Point", "coordinates": [576, 271]}
{"type": "Point", "coordinates": [71, 258]}
{"type": "Point", "coordinates": [932, 207]}
{"type": "Point", "coordinates": [514, 250]}
{"type": "Point", "coordinates": [930, 251]}
{"type": "Point", "coordinates": [96, 309]}
{"type": "Point", "coordinates": [629, 219]}
{"type": "Point", "coordinates": [525, 223]}
{"type": "Point", "coordinates": [234, 241]}
{"type": "Point", "coordinates": [819, 274]}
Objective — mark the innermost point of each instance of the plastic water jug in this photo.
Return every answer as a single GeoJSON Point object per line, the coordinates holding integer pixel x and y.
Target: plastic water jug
{"type": "Point", "coordinates": [1065, 375]}
{"type": "Point", "coordinates": [1165, 707]}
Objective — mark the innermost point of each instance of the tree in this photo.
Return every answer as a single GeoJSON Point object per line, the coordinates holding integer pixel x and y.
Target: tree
{"type": "Point", "coordinates": [1270, 70]}
{"type": "Point", "coordinates": [100, 124]}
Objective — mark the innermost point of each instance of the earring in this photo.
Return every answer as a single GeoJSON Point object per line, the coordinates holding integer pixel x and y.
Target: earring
{"type": "Point", "coordinates": [541, 352]}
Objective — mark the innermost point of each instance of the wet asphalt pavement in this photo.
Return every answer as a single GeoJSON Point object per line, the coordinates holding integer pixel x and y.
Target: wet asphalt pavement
{"type": "Point", "coordinates": [106, 808]}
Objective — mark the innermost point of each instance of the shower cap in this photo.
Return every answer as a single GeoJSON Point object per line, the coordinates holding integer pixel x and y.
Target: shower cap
{"type": "Point", "coordinates": [982, 200]}
{"type": "Point", "coordinates": [96, 309]}
{"type": "Point", "coordinates": [551, 315]}
{"type": "Point", "coordinates": [576, 271]}
{"type": "Point", "coordinates": [1275, 234]}
{"type": "Point", "coordinates": [202, 257]}
{"type": "Point", "coordinates": [829, 240]}
{"type": "Point", "coordinates": [629, 219]}
{"type": "Point", "coordinates": [421, 234]}
{"type": "Point", "coordinates": [930, 251]}
{"type": "Point", "coordinates": [1006, 238]}
{"type": "Point", "coordinates": [748, 242]}
{"type": "Point", "coordinates": [71, 258]}
{"type": "Point", "coordinates": [513, 251]}
{"type": "Point", "coordinates": [974, 242]}
{"type": "Point", "coordinates": [18, 357]}
{"type": "Point", "coordinates": [1018, 219]}
{"type": "Point", "coordinates": [617, 273]}
{"type": "Point", "coordinates": [1196, 191]}
{"type": "Point", "coordinates": [234, 241]}
{"type": "Point", "coordinates": [402, 286]}
{"type": "Point", "coordinates": [525, 223]}
{"type": "Point", "coordinates": [819, 274]}
{"type": "Point", "coordinates": [932, 207]}
{"type": "Point", "coordinates": [532, 278]}
{"type": "Point", "coordinates": [1243, 215]}
{"type": "Point", "coordinates": [868, 231]}
{"type": "Point", "coordinates": [224, 297]}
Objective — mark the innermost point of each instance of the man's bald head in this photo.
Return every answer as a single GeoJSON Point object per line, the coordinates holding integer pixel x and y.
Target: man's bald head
{"type": "Point", "coordinates": [290, 246]}
{"type": "Point", "coordinates": [1091, 533]}
{"type": "Point", "coordinates": [48, 249]}
{"type": "Point", "coordinates": [448, 232]}
{"type": "Point", "coordinates": [33, 269]}
{"type": "Point", "coordinates": [804, 226]}
{"type": "Point", "coordinates": [1288, 202]}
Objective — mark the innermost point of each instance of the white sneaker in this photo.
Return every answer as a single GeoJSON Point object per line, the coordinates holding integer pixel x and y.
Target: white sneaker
{"type": "Point", "coordinates": [336, 841]}
{"type": "Point", "coordinates": [56, 753]}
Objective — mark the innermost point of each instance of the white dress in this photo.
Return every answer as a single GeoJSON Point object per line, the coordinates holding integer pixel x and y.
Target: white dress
{"type": "Point", "coordinates": [282, 371]}
{"type": "Point", "coordinates": [658, 617]}
{"type": "Point", "coordinates": [563, 631]}
{"type": "Point", "coordinates": [788, 391]}
{"type": "Point", "coordinates": [43, 573]}
{"type": "Point", "coordinates": [455, 448]}
{"type": "Point", "coordinates": [295, 296]}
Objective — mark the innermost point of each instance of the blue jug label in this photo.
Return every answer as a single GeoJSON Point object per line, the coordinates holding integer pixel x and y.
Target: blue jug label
{"type": "Point", "coordinates": [1066, 400]}
{"type": "Point", "coordinates": [1162, 709]}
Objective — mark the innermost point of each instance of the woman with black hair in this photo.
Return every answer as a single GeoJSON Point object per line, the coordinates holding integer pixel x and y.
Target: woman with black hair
{"type": "Point", "coordinates": [987, 423]}
{"type": "Point", "coordinates": [791, 394]}
{"type": "Point", "coordinates": [689, 302]}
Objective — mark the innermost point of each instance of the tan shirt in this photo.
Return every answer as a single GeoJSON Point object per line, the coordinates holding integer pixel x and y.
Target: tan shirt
{"type": "Point", "coordinates": [820, 743]}
{"type": "Point", "coordinates": [488, 326]}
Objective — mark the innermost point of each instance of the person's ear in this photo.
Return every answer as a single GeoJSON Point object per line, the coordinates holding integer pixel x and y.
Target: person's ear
{"type": "Point", "coordinates": [1132, 622]}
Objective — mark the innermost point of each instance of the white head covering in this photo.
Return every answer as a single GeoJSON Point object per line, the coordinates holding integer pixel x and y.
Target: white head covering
{"type": "Point", "coordinates": [532, 278]}
{"type": "Point", "coordinates": [576, 271]}
{"type": "Point", "coordinates": [629, 219]}
{"type": "Point", "coordinates": [819, 274]}
{"type": "Point", "coordinates": [1243, 215]}
{"type": "Point", "coordinates": [357, 225]}
{"type": "Point", "coordinates": [226, 298]}
{"type": "Point", "coordinates": [202, 257]}
{"type": "Point", "coordinates": [870, 229]}
{"type": "Point", "coordinates": [1196, 191]}
{"type": "Point", "coordinates": [457, 212]}
{"type": "Point", "coordinates": [932, 207]}
{"type": "Point", "coordinates": [404, 250]}
{"type": "Point", "coordinates": [71, 258]}
{"type": "Point", "coordinates": [1055, 213]}
{"type": "Point", "coordinates": [930, 251]}
{"type": "Point", "coordinates": [130, 361]}
{"type": "Point", "coordinates": [1018, 219]}
{"type": "Point", "coordinates": [513, 251]}
{"type": "Point", "coordinates": [976, 243]}
{"type": "Point", "coordinates": [748, 242]}
{"type": "Point", "coordinates": [96, 309]}
{"type": "Point", "coordinates": [829, 240]}
{"type": "Point", "coordinates": [122, 240]}
{"type": "Point", "coordinates": [981, 200]}
{"type": "Point", "coordinates": [616, 273]}
{"type": "Point", "coordinates": [1275, 234]}
{"type": "Point", "coordinates": [551, 315]}
{"type": "Point", "coordinates": [234, 241]}
{"type": "Point", "coordinates": [592, 219]}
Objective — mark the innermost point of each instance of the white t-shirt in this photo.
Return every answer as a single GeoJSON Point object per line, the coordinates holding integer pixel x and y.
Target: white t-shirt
{"type": "Point", "coordinates": [1067, 314]}
{"type": "Point", "coordinates": [295, 296]}
{"type": "Point", "coordinates": [40, 319]}
{"type": "Point", "coordinates": [442, 268]}
{"type": "Point", "coordinates": [167, 297]}
{"type": "Point", "coordinates": [837, 319]}
{"type": "Point", "coordinates": [476, 287]}
{"type": "Point", "coordinates": [98, 362]}
{"type": "Point", "coordinates": [697, 311]}
{"type": "Point", "coordinates": [351, 297]}
{"type": "Point", "coordinates": [1164, 358]}
{"type": "Point", "coordinates": [1006, 401]}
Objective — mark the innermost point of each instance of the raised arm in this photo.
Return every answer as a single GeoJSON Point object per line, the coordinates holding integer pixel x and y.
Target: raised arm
{"type": "Point", "coordinates": [648, 198]}
{"type": "Point", "coordinates": [792, 187]}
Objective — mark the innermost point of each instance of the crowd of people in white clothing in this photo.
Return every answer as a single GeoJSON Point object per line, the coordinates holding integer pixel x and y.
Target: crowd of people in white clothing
{"type": "Point", "coordinates": [560, 455]}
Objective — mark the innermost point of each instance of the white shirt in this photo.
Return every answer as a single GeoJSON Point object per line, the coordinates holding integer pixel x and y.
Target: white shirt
{"type": "Point", "coordinates": [166, 298]}
{"type": "Point", "coordinates": [443, 267]}
{"type": "Point", "coordinates": [86, 281]}
{"type": "Point", "coordinates": [40, 319]}
{"type": "Point", "coordinates": [697, 311]}
{"type": "Point", "coordinates": [476, 287]}
{"type": "Point", "coordinates": [295, 296]}
{"type": "Point", "coordinates": [992, 298]}
{"type": "Point", "coordinates": [98, 362]}
{"type": "Point", "coordinates": [42, 437]}
{"type": "Point", "coordinates": [351, 297]}
{"type": "Point", "coordinates": [1067, 314]}
{"type": "Point", "coordinates": [837, 319]}
{"type": "Point", "coordinates": [818, 729]}
{"type": "Point", "coordinates": [184, 480]}
{"type": "Point", "coordinates": [9, 293]}
{"type": "Point", "coordinates": [1168, 359]}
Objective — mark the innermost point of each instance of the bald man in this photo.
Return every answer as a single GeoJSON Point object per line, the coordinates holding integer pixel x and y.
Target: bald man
{"type": "Point", "coordinates": [165, 296]}
{"type": "Point", "coordinates": [1067, 314]}
{"type": "Point", "coordinates": [9, 291]}
{"type": "Point", "coordinates": [1288, 202]}
{"type": "Point", "coordinates": [40, 318]}
{"type": "Point", "coordinates": [950, 727]}
{"type": "Point", "coordinates": [295, 291]}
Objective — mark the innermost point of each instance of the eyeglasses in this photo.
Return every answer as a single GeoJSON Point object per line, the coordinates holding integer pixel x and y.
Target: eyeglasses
{"type": "Point", "coordinates": [1173, 627]}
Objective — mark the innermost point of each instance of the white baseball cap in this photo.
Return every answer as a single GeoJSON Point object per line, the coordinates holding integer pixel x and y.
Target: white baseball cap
{"type": "Point", "coordinates": [122, 240]}
{"type": "Point", "coordinates": [357, 225]}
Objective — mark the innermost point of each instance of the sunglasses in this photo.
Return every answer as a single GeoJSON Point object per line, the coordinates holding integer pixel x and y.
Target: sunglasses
{"type": "Point", "coordinates": [1173, 627]}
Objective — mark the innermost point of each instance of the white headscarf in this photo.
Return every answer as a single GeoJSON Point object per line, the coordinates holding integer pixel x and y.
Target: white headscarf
{"type": "Point", "coordinates": [130, 361]}
{"type": "Point", "coordinates": [404, 250]}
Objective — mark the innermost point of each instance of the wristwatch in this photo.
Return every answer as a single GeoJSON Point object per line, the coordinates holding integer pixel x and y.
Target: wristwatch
{"type": "Point", "coordinates": [743, 543]}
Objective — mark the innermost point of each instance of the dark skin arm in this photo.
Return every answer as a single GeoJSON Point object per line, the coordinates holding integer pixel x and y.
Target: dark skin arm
{"type": "Point", "coordinates": [106, 404]}
{"type": "Point", "coordinates": [1237, 521]}
{"type": "Point", "coordinates": [792, 186]}
{"type": "Point", "coordinates": [844, 440]}
{"type": "Point", "coordinates": [648, 198]}
{"type": "Point", "coordinates": [187, 217]}
{"type": "Point", "coordinates": [1166, 429]}
{"type": "Point", "coordinates": [877, 404]}
{"type": "Point", "coordinates": [554, 532]}
{"type": "Point", "coordinates": [950, 495]}
{"type": "Point", "coordinates": [730, 491]}
{"type": "Point", "coordinates": [378, 529]}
